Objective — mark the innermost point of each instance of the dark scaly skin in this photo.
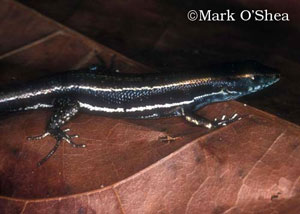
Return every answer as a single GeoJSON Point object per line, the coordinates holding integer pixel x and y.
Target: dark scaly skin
{"type": "Point", "coordinates": [101, 90]}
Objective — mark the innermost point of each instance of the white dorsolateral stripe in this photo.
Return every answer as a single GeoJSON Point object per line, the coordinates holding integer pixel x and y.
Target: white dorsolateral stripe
{"type": "Point", "coordinates": [95, 89]}
{"type": "Point", "coordinates": [188, 82]}
{"type": "Point", "coordinates": [39, 105]}
{"type": "Point", "coordinates": [143, 108]}
{"type": "Point", "coordinates": [98, 108]}
{"type": "Point", "coordinates": [31, 94]}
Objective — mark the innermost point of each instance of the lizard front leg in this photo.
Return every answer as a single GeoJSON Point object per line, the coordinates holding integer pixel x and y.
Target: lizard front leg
{"type": "Point", "coordinates": [64, 110]}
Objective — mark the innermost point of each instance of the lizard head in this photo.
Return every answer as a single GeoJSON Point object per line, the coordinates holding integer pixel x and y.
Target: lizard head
{"type": "Point", "coordinates": [246, 77]}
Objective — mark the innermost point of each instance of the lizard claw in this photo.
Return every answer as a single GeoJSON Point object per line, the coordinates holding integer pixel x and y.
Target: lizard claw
{"type": "Point", "coordinates": [74, 136]}
{"type": "Point", "coordinates": [70, 136]}
{"type": "Point", "coordinates": [38, 137]}
{"type": "Point", "coordinates": [67, 138]}
{"type": "Point", "coordinates": [224, 122]}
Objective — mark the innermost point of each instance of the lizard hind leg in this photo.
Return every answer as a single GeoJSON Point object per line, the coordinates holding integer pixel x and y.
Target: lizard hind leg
{"type": "Point", "coordinates": [200, 121]}
{"type": "Point", "coordinates": [64, 110]}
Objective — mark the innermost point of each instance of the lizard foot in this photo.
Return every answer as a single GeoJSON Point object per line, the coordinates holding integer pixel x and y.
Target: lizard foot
{"type": "Point", "coordinates": [167, 139]}
{"type": "Point", "coordinates": [42, 136]}
{"type": "Point", "coordinates": [59, 135]}
{"type": "Point", "coordinates": [224, 121]}
{"type": "Point", "coordinates": [68, 138]}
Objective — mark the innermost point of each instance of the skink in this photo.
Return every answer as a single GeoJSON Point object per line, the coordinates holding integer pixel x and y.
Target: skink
{"type": "Point", "coordinates": [101, 90]}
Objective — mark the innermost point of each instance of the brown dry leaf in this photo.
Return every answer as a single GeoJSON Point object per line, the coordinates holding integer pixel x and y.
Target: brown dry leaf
{"type": "Point", "coordinates": [250, 166]}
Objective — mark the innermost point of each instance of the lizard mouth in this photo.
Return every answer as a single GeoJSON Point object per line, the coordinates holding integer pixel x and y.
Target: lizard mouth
{"type": "Point", "coordinates": [264, 82]}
